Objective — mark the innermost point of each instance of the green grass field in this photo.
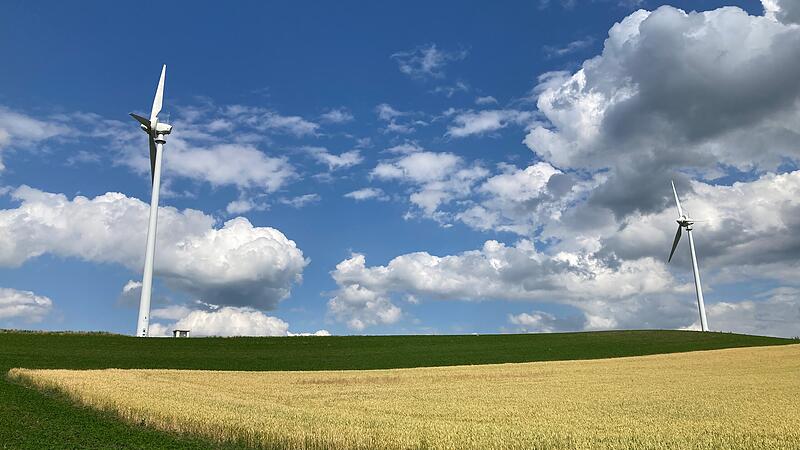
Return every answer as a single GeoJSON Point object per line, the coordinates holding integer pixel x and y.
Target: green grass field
{"type": "Point", "coordinates": [29, 419]}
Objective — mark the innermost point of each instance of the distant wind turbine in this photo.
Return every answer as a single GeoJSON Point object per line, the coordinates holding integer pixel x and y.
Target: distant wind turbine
{"type": "Point", "coordinates": [156, 133]}
{"type": "Point", "coordinates": [685, 222]}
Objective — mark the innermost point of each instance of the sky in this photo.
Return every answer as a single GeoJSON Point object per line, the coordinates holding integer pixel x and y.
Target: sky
{"type": "Point", "coordinates": [403, 168]}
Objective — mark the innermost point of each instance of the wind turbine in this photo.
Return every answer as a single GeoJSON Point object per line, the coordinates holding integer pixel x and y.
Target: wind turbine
{"type": "Point", "coordinates": [685, 222]}
{"type": "Point", "coordinates": [157, 136]}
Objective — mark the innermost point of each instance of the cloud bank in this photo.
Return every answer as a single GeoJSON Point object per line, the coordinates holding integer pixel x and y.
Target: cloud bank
{"type": "Point", "coordinates": [237, 264]}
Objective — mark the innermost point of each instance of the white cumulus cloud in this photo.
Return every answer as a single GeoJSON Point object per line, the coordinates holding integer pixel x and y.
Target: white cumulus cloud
{"type": "Point", "coordinates": [603, 291]}
{"type": "Point", "coordinates": [361, 307]}
{"type": "Point", "coordinates": [236, 264]}
{"type": "Point", "coordinates": [221, 321]}
{"type": "Point", "coordinates": [231, 321]}
{"type": "Point", "coordinates": [23, 305]}
{"type": "Point", "coordinates": [787, 11]}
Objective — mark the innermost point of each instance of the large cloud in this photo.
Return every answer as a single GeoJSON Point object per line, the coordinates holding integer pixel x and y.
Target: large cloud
{"type": "Point", "coordinates": [237, 264]}
{"type": "Point", "coordinates": [614, 275]}
{"type": "Point", "coordinates": [698, 97]}
{"type": "Point", "coordinates": [674, 95]}
{"type": "Point", "coordinates": [23, 305]}
{"type": "Point", "coordinates": [673, 90]}
{"type": "Point", "coordinates": [748, 231]}
{"type": "Point", "coordinates": [225, 321]}
{"type": "Point", "coordinates": [787, 11]}
{"type": "Point", "coordinates": [498, 271]}
{"type": "Point", "coordinates": [747, 226]}
{"type": "Point", "coordinates": [775, 313]}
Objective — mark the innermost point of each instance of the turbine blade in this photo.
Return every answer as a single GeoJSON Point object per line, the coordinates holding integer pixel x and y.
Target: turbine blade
{"type": "Point", "coordinates": [677, 201]}
{"type": "Point", "coordinates": [675, 243]}
{"type": "Point", "coordinates": [159, 99]}
{"type": "Point", "coordinates": [152, 159]}
{"type": "Point", "coordinates": [141, 120]}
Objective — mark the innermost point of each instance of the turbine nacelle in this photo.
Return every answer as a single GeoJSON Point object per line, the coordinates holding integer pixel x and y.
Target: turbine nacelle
{"type": "Point", "coordinates": [149, 128]}
{"type": "Point", "coordinates": [163, 128]}
{"type": "Point", "coordinates": [155, 130]}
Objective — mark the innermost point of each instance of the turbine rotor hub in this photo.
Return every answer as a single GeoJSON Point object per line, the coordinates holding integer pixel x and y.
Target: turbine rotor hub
{"type": "Point", "coordinates": [685, 221]}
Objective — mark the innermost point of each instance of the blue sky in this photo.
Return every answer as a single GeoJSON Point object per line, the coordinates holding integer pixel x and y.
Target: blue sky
{"type": "Point", "coordinates": [518, 124]}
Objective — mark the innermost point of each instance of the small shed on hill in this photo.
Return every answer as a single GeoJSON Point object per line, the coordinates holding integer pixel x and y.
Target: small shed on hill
{"type": "Point", "coordinates": [180, 333]}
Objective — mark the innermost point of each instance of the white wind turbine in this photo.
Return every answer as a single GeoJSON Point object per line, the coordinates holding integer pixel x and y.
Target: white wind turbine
{"type": "Point", "coordinates": [156, 134]}
{"type": "Point", "coordinates": [685, 222]}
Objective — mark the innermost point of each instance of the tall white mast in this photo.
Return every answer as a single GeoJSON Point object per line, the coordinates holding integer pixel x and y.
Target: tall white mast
{"type": "Point", "coordinates": [157, 135]}
{"type": "Point", "coordinates": [697, 286]}
{"type": "Point", "coordinates": [685, 222]}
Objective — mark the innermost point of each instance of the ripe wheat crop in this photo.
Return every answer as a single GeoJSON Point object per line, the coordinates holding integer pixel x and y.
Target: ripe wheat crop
{"type": "Point", "coordinates": [746, 398]}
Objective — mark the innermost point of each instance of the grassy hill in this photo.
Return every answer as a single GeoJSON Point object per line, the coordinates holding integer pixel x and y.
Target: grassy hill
{"type": "Point", "coordinates": [29, 419]}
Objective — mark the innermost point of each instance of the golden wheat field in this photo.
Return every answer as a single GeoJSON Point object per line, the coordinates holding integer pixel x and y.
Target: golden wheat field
{"type": "Point", "coordinates": [746, 398]}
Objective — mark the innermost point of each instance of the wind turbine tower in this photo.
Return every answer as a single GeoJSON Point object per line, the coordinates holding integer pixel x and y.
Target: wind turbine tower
{"type": "Point", "coordinates": [157, 136]}
{"type": "Point", "coordinates": [684, 221]}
